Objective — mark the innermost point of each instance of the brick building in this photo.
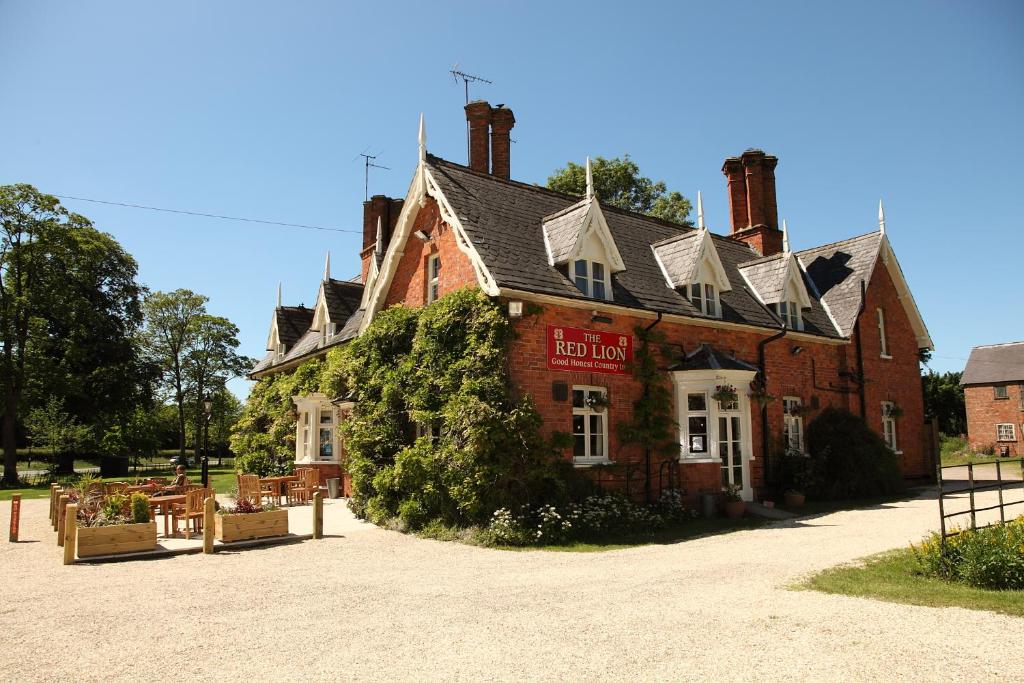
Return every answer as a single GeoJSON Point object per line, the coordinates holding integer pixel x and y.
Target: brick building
{"type": "Point", "coordinates": [993, 383]}
{"type": "Point", "coordinates": [833, 325]}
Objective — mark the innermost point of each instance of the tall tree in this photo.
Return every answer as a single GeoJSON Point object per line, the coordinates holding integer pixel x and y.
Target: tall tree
{"type": "Point", "coordinates": [172, 319]}
{"type": "Point", "coordinates": [67, 292]}
{"type": "Point", "coordinates": [51, 427]}
{"type": "Point", "coordinates": [618, 182]}
{"type": "Point", "coordinates": [944, 399]}
{"type": "Point", "coordinates": [210, 360]}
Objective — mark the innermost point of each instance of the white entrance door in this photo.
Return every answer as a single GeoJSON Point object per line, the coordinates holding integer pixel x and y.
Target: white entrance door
{"type": "Point", "coordinates": [730, 450]}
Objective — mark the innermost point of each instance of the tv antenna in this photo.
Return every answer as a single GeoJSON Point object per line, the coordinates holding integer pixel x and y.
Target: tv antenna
{"type": "Point", "coordinates": [466, 80]}
{"type": "Point", "coordinates": [367, 165]}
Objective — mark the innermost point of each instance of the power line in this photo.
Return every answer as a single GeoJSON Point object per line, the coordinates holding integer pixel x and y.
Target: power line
{"type": "Point", "coordinates": [207, 215]}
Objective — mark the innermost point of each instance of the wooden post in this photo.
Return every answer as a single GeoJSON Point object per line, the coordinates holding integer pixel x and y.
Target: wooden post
{"type": "Point", "coordinates": [53, 501]}
{"type": "Point", "coordinates": [318, 515]}
{"type": "Point", "coordinates": [62, 504]}
{"type": "Point", "coordinates": [15, 517]}
{"type": "Point", "coordinates": [57, 491]}
{"type": "Point", "coordinates": [208, 525]}
{"type": "Point", "coordinates": [70, 534]}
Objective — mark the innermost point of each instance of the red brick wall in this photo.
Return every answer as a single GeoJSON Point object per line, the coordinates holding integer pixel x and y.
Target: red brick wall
{"type": "Point", "coordinates": [409, 285]}
{"type": "Point", "coordinates": [896, 379]}
{"type": "Point", "coordinates": [985, 411]}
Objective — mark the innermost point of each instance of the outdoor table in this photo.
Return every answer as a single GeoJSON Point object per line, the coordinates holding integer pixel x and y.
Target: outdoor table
{"type": "Point", "coordinates": [278, 482]}
{"type": "Point", "coordinates": [164, 503]}
{"type": "Point", "coordinates": [140, 487]}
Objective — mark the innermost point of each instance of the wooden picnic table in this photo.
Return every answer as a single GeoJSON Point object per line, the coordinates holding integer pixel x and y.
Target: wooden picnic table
{"type": "Point", "coordinates": [164, 503]}
{"type": "Point", "coordinates": [277, 483]}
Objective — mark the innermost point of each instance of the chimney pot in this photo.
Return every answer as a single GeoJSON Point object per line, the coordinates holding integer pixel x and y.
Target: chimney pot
{"type": "Point", "coordinates": [502, 121]}
{"type": "Point", "coordinates": [752, 202]}
{"type": "Point", "coordinates": [478, 116]}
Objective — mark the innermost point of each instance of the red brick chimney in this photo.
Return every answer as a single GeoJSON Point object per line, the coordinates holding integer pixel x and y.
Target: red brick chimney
{"type": "Point", "coordinates": [478, 114]}
{"type": "Point", "coordinates": [752, 203]}
{"type": "Point", "coordinates": [502, 121]}
{"type": "Point", "coordinates": [388, 210]}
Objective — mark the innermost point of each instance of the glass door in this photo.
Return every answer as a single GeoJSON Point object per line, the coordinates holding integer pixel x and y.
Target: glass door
{"type": "Point", "coordinates": [730, 450]}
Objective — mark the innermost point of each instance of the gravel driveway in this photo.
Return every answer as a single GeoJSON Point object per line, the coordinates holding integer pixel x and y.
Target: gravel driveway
{"type": "Point", "coordinates": [373, 604]}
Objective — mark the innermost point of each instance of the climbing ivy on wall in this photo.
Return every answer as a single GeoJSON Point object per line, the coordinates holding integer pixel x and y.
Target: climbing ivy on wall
{"type": "Point", "coordinates": [443, 366]}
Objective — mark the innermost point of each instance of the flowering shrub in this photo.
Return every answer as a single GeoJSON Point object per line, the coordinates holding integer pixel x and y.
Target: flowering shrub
{"type": "Point", "coordinates": [992, 557]}
{"type": "Point", "coordinates": [597, 516]}
{"type": "Point", "coordinates": [244, 506]}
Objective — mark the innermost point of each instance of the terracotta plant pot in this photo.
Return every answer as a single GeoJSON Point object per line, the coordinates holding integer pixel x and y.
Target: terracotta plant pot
{"type": "Point", "coordinates": [734, 509]}
{"type": "Point", "coordinates": [794, 499]}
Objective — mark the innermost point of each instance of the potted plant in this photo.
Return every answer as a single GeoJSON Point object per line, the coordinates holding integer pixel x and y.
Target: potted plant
{"type": "Point", "coordinates": [759, 393]}
{"type": "Point", "coordinates": [725, 393]}
{"type": "Point", "coordinates": [597, 401]}
{"type": "Point", "coordinates": [114, 525]}
{"type": "Point", "coordinates": [794, 498]}
{"type": "Point", "coordinates": [249, 520]}
{"type": "Point", "coordinates": [734, 504]}
{"type": "Point", "coordinates": [893, 410]}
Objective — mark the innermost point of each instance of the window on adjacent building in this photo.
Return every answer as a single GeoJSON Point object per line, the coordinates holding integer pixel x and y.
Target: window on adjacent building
{"type": "Point", "coordinates": [793, 423]}
{"type": "Point", "coordinates": [889, 425]}
{"type": "Point", "coordinates": [1000, 392]}
{"type": "Point", "coordinates": [433, 277]}
{"type": "Point", "coordinates": [883, 345]}
{"type": "Point", "coordinates": [790, 313]}
{"type": "Point", "coordinates": [589, 425]}
{"type": "Point", "coordinates": [591, 278]}
{"type": "Point", "coordinates": [1006, 432]}
{"type": "Point", "coordinates": [704, 298]}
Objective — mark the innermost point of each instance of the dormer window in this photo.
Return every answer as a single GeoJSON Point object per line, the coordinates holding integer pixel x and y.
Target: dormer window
{"type": "Point", "coordinates": [591, 278]}
{"type": "Point", "coordinates": [790, 313]}
{"type": "Point", "coordinates": [704, 298]}
{"type": "Point", "coordinates": [280, 350]}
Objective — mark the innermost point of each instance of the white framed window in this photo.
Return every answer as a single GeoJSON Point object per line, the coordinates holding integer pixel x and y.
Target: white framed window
{"type": "Point", "coordinates": [325, 449]}
{"type": "Point", "coordinates": [883, 344]}
{"type": "Point", "coordinates": [307, 433]}
{"type": "Point", "coordinates": [1006, 432]}
{"type": "Point", "coordinates": [431, 431]}
{"type": "Point", "coordinates": [793, 423]}
{"type": "Point", "coordinates": [433, 277]}
{"type": "Point", "coordinates": [889, 426]}
{"type": "Point", "coordinates": [790, 314]}
{"type": "Point", "coordinates": [592, 278]}
{"type": "Point", "coordinates": [589, 425]}
{"type": "Point", "coordinates": [316, 433]}
{"type": "Point", "coordinates": [697, 422]}
{"type": "Point", "coordinates": [1000, 392]}
{"type": "Point", "coordinates": [704, 298]}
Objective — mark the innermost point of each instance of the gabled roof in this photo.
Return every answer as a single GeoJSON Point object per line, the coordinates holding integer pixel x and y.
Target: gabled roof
{"type": "Point", "coordinates": [503, 220]}
{"type": "Point", "coordinates": [691, 257]}
{"type": "Point", "coordinates": [995, 364]}
{"type": "Point", "coordinates": [292, 322]}
{"type": "Point", "coordinates": [343, 297]}
{"type": "Point", "coordinates": [776, 278]}
{"type": "Point", "coordinates": [707, 357]}
{"type": "Point", "coordinates": [837, 271]}
{"type": "Point", "coordinates": [566, 232]}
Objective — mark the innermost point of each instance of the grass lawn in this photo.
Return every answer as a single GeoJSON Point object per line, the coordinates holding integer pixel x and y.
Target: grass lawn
{"type": "Point", "coordinates": [956, 451]}
{"type": "Point", "coordinates": [221, 478]}
{"type": "Point", "coordinates": [890, 577]}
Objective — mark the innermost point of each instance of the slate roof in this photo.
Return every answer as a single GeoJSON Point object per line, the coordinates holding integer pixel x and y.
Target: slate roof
{"type": "Point", "coordinates": [503, 220]}
{"type": "Point", "coordinates": [562, 229]}
{"type": "Point", "coordinates": [292, 322]}
{"type": "Point", "coordinates": [836, 270]}
{"type": "Point", "coordinates": [768, 276]}
{"type": "Point", "coordinates": [995, 364]}
{"type": "Point", "coordinates": [679, 256]}
{"type": "Point", "coordinates": [707, 357]}
{"type": "Point", "coordinates": [343, 298]}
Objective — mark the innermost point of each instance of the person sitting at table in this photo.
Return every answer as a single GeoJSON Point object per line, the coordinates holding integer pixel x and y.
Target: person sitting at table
{"type": "Point", "coordinates": [179, 484]}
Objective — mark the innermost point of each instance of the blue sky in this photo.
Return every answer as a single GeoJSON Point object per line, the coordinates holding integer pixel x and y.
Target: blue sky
{"type": "Point", "coordinates": [259, 109]}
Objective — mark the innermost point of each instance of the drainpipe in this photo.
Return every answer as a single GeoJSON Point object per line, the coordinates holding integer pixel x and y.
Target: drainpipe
{"type": "Point", "coordinates": [860, 354]}
{"type": "Point", "coordinates": [647, 449]}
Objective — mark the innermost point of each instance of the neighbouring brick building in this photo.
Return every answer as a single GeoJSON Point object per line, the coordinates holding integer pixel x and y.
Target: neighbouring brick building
{"type": "Point", "coordinates": [835, 325]}
{"type": "Point", "coordinates": [993, 383]}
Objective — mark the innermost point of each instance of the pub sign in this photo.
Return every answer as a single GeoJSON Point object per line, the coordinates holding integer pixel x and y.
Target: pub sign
{"type": "Point", "coordinates": [577, 350]}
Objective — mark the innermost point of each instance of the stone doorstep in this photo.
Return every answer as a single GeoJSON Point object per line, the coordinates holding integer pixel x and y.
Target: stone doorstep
{"type": "Point", "coordinates": [768, 513]}
{"type": "Point", "coordinates": [193, 550]}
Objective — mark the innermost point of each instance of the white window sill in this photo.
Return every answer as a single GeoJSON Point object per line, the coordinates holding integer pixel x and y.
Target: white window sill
{"type": "Point", "coordinates": [885, 356]}
{"type": "Point", "coordinates": [698, 461]}
{"type": "Point", "coordinates": [583, 464]}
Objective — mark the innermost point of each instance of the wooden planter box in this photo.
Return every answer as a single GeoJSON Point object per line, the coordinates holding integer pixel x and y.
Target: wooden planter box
{"type": "Point", "coordinates": [243, 527]}
{"type": "Point", "coordinates": [116, 540]}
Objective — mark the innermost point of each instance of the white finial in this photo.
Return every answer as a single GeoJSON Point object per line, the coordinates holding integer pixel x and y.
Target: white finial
{"type": "Point", "coordinates": [279, 295]}
{"type": "Point", "coordinates": [700, 211]}
{"type": "Point", "coordinates": [423, 139]}
{"type": "Point", "coordinates": [881, 218]}
{"type": "Point", "coordinates": [327, 267]}
{"type": "Point", "coordinates": [590, 180]}
{"type": "Point", "coordinates": [785, 236]}
{"type": "Point", "coordinates": [380, 238]}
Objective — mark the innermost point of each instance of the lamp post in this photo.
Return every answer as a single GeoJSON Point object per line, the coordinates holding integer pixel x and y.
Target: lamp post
{"type": "Point", "coordinates": [207, 413]}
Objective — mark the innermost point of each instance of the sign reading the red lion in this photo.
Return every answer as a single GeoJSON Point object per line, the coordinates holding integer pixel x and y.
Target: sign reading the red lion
{"type": "Point", "coordinates": [575, 350]}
